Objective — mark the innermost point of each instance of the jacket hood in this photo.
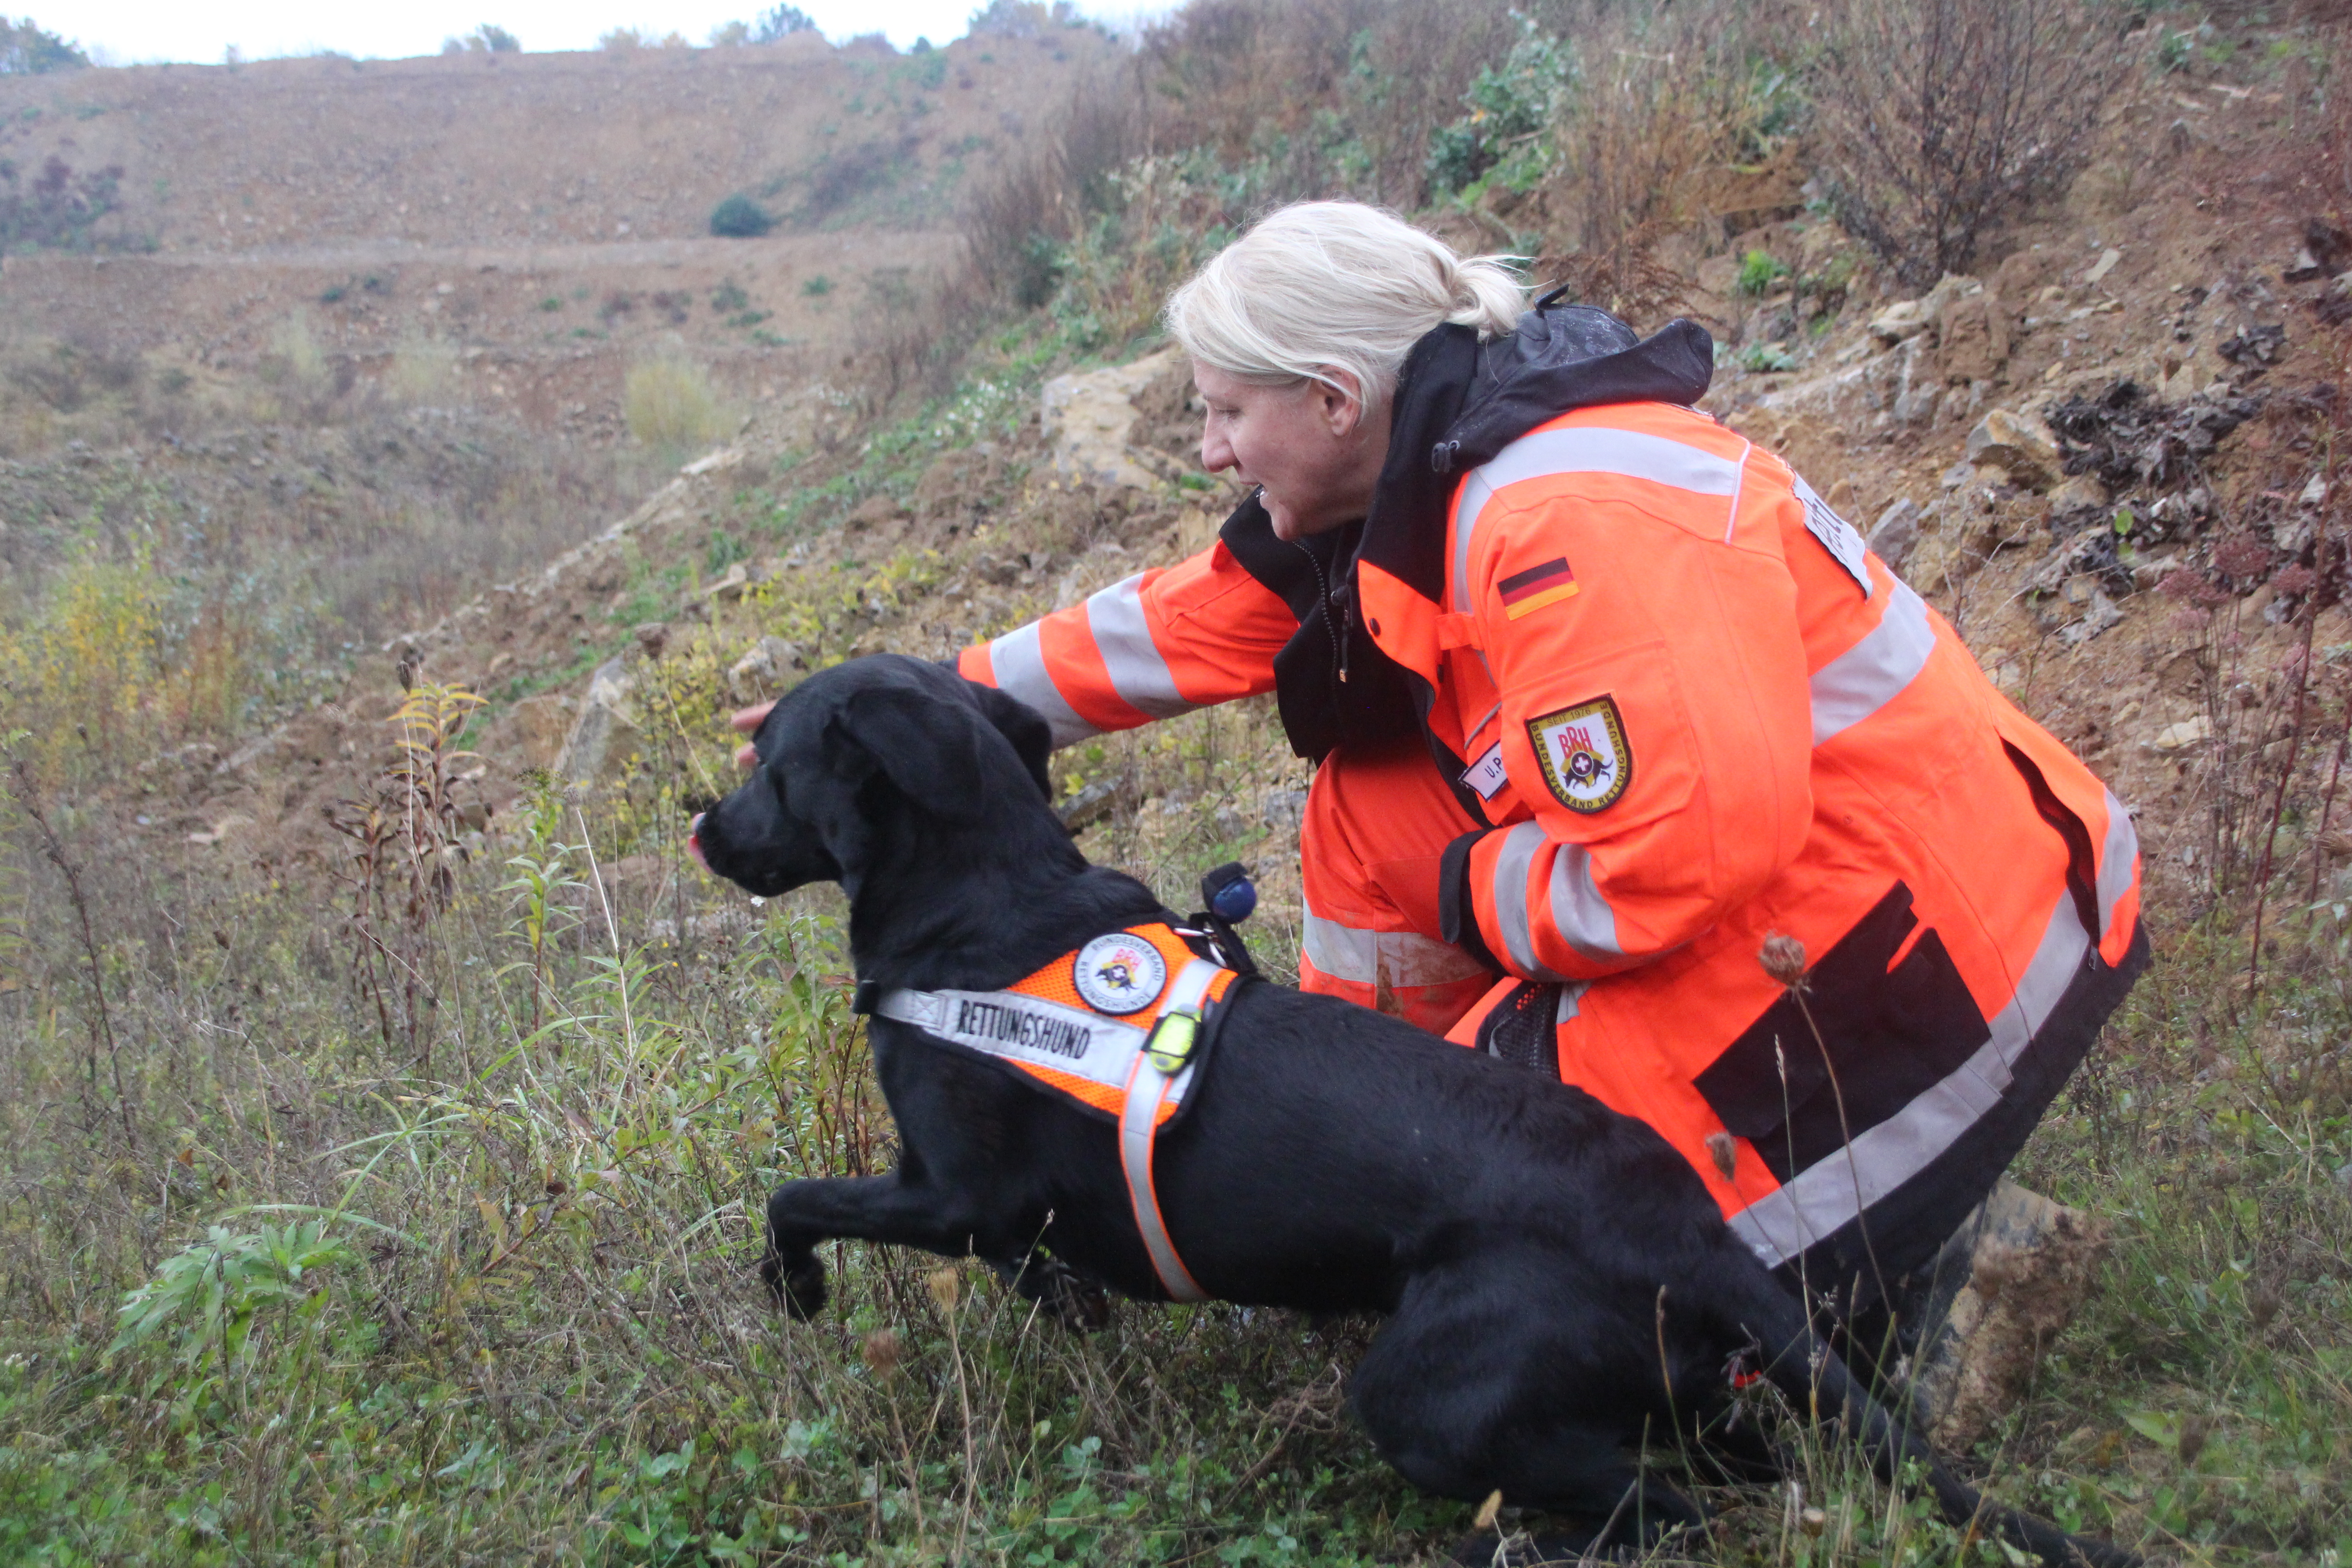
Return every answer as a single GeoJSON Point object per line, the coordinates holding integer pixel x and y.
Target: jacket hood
{"type": "Point", "coordinates": [1459, 402]}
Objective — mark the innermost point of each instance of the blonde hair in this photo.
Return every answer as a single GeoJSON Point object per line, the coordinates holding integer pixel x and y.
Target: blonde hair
{"type": "Point", "coordinates": [1322, 287]}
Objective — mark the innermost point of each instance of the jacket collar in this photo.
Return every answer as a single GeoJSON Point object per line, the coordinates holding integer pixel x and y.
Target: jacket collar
{"type": "Point", "coordinates": [1459, 402]}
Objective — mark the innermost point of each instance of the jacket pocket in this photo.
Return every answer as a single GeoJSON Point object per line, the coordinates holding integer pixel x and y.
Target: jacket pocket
{"type": "Point", "coordinates": [1887, 1023]}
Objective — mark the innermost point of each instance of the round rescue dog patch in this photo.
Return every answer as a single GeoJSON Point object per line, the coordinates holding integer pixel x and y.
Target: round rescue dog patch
{"type": "Point", "coordinates": [1585, 759]}
{"type": "Point", "coordinates": [1119, 974]}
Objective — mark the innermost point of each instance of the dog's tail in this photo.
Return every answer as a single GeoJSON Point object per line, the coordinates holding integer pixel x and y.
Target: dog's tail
{"type": "Point", "coordinates": [1817, 1381]}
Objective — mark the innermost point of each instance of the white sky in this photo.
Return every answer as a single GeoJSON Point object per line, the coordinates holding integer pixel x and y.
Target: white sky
{"type": "Point", "coordinates": [134, 32]}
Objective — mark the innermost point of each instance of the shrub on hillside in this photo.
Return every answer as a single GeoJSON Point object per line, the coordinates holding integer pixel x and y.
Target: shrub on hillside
{"type": "Point", "coordinates": [26, 50]}
{"type": "Point", "coordinates": [670, 406]}
{"type": "Point", "coordinates": [57, 208]}
{"type": "Point", "coordinates": [739, 217]}
{"type": "Point", "coordinates": [780, 24]}
{"type": "Point", "coordinates": [1940, 118]}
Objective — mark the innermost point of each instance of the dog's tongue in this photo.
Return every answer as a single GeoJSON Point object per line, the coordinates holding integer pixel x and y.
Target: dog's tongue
{"type": "Point", "coordinates": [694, 841]}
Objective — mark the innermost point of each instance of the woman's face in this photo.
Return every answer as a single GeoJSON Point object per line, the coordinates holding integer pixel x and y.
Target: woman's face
{"type": "Point", "coordinates": [1305, 446]}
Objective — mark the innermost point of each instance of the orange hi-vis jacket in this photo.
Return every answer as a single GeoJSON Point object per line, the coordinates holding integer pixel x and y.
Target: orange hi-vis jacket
{"type": "Point", "coordinates": [1692, 713]}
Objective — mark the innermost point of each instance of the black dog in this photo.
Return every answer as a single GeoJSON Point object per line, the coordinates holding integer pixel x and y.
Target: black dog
{"type": "Point", "coordinates": [1555, 1279]}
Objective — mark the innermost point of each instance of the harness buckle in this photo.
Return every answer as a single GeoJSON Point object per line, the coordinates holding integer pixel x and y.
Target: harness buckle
{"type": "Point", "coordinates": [1172, 1039]}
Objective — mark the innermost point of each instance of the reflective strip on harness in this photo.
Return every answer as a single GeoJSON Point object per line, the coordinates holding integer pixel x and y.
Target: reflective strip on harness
{"type": "Point", "coordinates": [1027, 1031]}
{"type": "Point", "coordinates": [1149, 1088]}
{"type": "Point", "coordinates": [1134, 1067]}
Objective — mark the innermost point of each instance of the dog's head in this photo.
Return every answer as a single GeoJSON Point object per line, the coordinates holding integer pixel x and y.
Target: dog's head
{"type": "Point", "coordinates": [844, 751]}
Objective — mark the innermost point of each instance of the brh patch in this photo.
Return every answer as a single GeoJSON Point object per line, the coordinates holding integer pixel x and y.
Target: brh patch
{"type": "Point", "coordinates": [1119, 974]}
{"type": "Point", "coordinates": [1583, 753]}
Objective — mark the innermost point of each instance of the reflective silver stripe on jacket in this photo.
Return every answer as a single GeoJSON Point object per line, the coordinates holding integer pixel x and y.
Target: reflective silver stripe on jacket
{"type": "Point", "coordinates": [1138, 1121]}
{"type": "Point", "coordinates": [1123, 637]}
{"type": "Point", "coordinates": [1017, 662]}
{"type": "Point", "coordinates": [1582, 450]}
{"type": "Point", "coordinates": [1866, 677]}
{"type": "Point", "coordinates": [2118, 860]}
{"type": "Point", "coordinates": [1366, 957]}
{"type": "Point", "coordinates": [1579, 912]}
{"type": "Point", "coordinates": [1825, 1196]}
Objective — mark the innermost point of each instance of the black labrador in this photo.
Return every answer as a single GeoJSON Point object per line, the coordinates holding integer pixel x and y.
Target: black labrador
{"type": "Point", "coordinates": [1556, 1280]}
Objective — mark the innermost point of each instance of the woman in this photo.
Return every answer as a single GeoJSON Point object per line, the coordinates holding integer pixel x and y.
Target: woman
{"type": "Point", "coordinates": [1634, 764]}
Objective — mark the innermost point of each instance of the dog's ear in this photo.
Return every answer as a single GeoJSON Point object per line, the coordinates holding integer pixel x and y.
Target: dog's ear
{"type": "Point", "coordinates": [927, 747]}
{"type": "Point", "coordinates": [1023, 725]}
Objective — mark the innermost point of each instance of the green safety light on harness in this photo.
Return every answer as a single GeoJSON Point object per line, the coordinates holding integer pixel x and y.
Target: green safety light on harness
{"type": "Point", "coordinates": [1172, 1038]}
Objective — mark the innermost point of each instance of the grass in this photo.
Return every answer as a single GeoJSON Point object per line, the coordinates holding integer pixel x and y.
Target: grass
{"type": "Point", "coordinates": [528, 1327]}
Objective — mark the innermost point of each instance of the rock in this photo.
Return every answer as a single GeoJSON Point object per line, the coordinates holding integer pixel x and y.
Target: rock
{"type": "Point", "coordinates": [2105, 265]}
{"type": "Point", "coordinates": [1972, 336]}
{"type": "Point", "coordinates": [2019, 445]}
{"type": "Point", "coordinates": [1281, 808]}
{"type": "Point", "coordinates": [531, 731]}
{"type": "Point", "coordinates": [715, 462]}
{"type": "Point", "coordinates": [2182, 736]}
{"type": "Point", "coordinates": [2029, 1264]}
{"type": "Point", "coordinates": [2079, 495]}
{"type": "Point", "coordinates": [1895, 531]}
{"type": "Point", "coordinates": [876, 511]}
{"type": "Point", "coordinates": [1096, 802]}
{"type": "Point", "coordinates": [2098, 614]}
{"type": "Point", "coordinates": [652, 635]}
{"type": "Point", "coordinates": [1903, 319]}
{"type": "Point", "coordinates": [1089, 416]}
{"type": "Point", "coordinates": [604, 734]}
{"type": "Point", "coordinates": [761, 672]}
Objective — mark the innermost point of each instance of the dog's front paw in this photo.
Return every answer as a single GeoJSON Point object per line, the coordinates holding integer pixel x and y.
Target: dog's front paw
{"type": "Point", "coordinates": [1077, 1300]}
{"type": "Point", "coordinates": [796, 1283]}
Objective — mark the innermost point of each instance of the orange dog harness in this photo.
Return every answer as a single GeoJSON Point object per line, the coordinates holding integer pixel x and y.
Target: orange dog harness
{"type": "Point", "coordinates": [1116, 1027]}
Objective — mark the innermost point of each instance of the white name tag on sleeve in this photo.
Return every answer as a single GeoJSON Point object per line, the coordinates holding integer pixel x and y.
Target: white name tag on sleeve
{"type": "Point", "coordinates": [1485, 776]}
{"type": "Point", "coordinates": [1837, 536]}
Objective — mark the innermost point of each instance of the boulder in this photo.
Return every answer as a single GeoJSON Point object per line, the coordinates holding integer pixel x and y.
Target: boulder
{"type": "Point", "coordinates": [1088, 417]}
{"type": "Point", "coordinates": [1903, 319]}
{"type": "Point", "coordinates": [1972, 335]}
{"type": "Point", "coordinates": [2019, 445]}
{"type": "Point", "coordinates": [763, 671]}
{"type": "Point", "coordinates": [605, 734]}
{"type": "Point", "coordinates": [1895, 531]}
{"type": "Point", "coordinates": [2028, 1264]}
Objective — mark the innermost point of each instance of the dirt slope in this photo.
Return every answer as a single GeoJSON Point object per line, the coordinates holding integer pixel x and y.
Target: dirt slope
{"type": "Point", "coordinates": [546, 213]}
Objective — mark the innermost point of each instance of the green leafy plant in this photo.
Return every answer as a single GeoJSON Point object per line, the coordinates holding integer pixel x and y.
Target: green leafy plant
{"type": "Point", "coordinates": [1511, 106]}
{"type": "Point", "coordinates": [213, 1292]}
{"type": "Point", "coordinates": [1766, 357]}
{"type": "Point", "coordinates": [1758, 270]}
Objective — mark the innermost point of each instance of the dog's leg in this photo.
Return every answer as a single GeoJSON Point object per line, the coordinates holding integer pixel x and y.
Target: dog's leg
{"type": "Point", "coordinates": [1479, 1384]}
{"type": "Point", "coordinates": [904, 1213]}
{"type": "Point", "coordinates": [1075, 1298]}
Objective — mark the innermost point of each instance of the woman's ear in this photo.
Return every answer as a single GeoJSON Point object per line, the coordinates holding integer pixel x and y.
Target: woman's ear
{"type": "Point", "coordinates": [1339, 401]}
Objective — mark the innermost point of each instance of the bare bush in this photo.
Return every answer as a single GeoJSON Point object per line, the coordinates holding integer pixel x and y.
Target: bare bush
{"type": "Point", "coordinates": [1938, 118]}
{"type": "Point", "coordinates": [1668, 124]}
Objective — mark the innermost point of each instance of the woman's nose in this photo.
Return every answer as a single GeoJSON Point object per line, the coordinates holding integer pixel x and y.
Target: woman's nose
{"type": "Point", "coordinates": [1216, 452]}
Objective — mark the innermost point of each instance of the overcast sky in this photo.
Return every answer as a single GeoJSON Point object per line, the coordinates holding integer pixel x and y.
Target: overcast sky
{"type": "Point", "coordinates": [132, 32]}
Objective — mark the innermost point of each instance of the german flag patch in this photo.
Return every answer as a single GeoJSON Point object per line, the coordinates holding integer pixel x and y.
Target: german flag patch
{"type": "Point", "coordinates": [1529, 591]}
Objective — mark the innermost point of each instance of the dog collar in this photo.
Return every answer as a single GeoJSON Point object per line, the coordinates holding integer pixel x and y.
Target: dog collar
{"type": "Point", "coordinates": [1117, 1027]}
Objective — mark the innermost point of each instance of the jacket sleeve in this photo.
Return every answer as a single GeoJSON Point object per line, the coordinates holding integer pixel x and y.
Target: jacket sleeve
{"type": "Point", "coordinates": [1655, 718]}
{"type": "Point", "coordinates": [1153, 646]}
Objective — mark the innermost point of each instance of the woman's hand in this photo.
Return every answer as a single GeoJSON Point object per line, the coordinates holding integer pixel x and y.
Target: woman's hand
{"type": "Point", "coordinates": [747, 722]}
